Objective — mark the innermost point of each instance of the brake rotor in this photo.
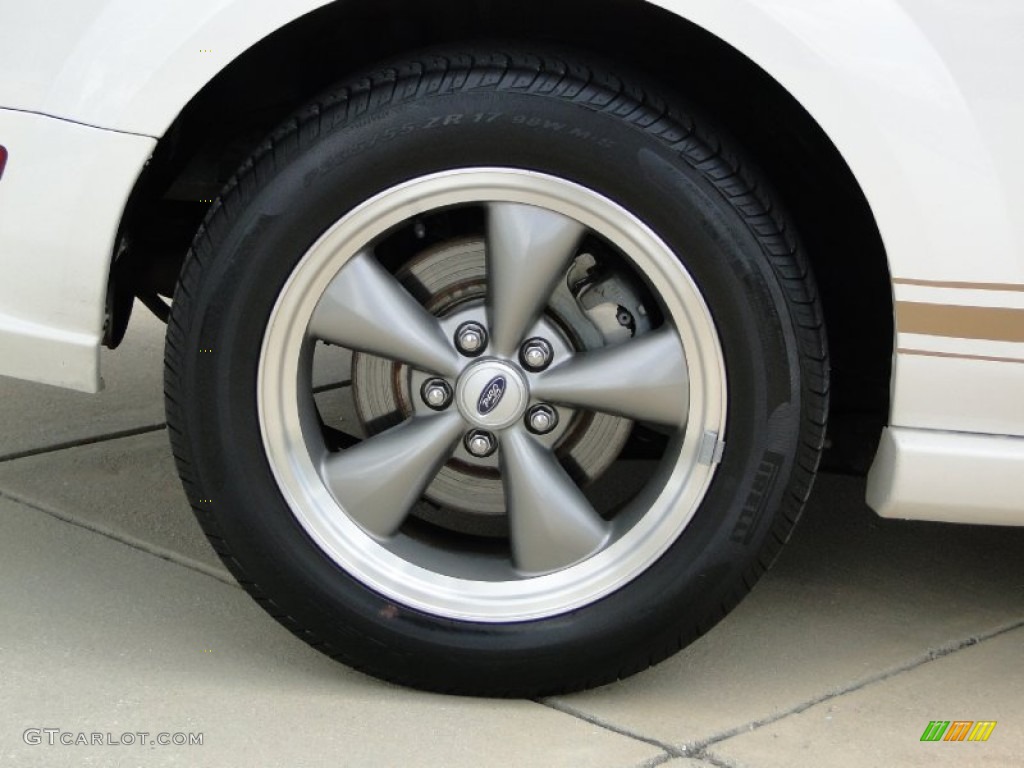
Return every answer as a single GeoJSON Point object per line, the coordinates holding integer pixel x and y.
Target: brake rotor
{"type": "Point", "coordinates": [466, 495]}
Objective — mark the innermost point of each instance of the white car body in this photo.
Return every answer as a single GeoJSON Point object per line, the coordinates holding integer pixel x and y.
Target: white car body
{"type": "Point", "coordinates": [924, 101]}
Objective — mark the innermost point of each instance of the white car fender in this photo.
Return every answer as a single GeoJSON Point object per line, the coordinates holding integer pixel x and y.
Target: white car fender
{"type": "Point", "coordinates": [920, 99]}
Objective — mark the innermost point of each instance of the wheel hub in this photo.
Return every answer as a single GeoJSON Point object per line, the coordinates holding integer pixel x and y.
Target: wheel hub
{"type": "Point", "coordinates": [492, 394]}
{"type": "Point", "coordinates": [467, 493]}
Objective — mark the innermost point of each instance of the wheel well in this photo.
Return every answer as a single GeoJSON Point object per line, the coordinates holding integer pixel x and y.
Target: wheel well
{"type": "Point", "coordinates": [223, 123]}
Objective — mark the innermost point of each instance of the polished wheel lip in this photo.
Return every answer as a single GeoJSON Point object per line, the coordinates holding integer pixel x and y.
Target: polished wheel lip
{"type": "Point", "coordinates": [286, 425]}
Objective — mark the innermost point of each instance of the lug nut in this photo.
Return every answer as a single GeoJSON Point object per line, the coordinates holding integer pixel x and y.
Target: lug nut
{"type": "Point", "coordinates": [471, 339]}
{"type": "Point", "coordinates": [536, 354]}
{"type": "Point", "coordinates": [541, 419]}
{"type": "Point", "coordinates": [436, 393]}
{"type": "Point", "coordinates": [481, 444]}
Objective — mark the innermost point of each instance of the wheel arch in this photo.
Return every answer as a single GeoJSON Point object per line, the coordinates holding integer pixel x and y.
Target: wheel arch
{"type": "Point", "coordinates": [228, 115]}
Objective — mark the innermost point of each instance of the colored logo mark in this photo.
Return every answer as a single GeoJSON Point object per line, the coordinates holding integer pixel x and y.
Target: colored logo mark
{"type": "Point", "coordinates": [491, 395]}
{"type": "Point", "coordinates": [958, 730]}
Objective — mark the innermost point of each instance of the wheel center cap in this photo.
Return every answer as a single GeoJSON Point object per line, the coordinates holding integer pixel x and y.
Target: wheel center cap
{"type": "Point", "coordinates": [492, 394]}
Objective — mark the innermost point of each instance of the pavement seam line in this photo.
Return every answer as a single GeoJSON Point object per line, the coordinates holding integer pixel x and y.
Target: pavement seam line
{"type": "Point", "coordinates": [565, 709]}
{"type": "Point", "coordinates": [93, 440]}
{"type": "Point", "coordinates": [699, 748]}
{"type": "Point", "coordinates": [654, 762]}
{"type": "Point", "coordinates": [712, 759]}
{"type": "Point", "coordinates": [138, 544]}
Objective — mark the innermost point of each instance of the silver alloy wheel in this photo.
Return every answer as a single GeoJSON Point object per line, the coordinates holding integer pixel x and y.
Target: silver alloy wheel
{"type": "Point", "coordinates": [353, 503]}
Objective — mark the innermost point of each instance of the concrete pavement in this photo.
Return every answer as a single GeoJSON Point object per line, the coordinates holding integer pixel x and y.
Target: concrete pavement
{"type": "Point", "coordinates": [116, 617]}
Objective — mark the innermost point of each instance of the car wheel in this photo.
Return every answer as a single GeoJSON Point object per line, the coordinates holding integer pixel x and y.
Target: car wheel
{"type": "Point", "coordinates": [496, 374]}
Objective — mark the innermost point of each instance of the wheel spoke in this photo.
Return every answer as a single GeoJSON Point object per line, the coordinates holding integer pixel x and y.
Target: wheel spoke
{"type": "Point", "coordinates": [366, 309]}
{"type": "Point", "coordinates": [378, 481]}
{"type": "Point", "coordinates": [645, 379]}
{"type": "Point", "coordinates": [551, 523]}
{"type": "Point", "coordinates": [528, 249]}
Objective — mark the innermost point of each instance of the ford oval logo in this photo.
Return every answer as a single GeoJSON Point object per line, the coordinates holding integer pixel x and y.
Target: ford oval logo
{"type": "Point", "coordinates": [494, 390]}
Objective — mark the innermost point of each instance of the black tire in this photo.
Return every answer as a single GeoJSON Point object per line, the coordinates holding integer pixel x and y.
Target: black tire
{"type": "Point", "coordinates": [579, 122]}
